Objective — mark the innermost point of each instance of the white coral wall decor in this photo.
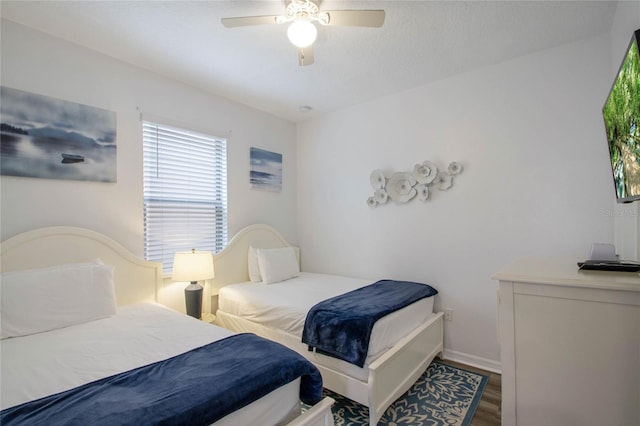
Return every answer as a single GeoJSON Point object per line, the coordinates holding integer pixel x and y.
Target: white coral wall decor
{"type": "Point", "coordinates": [402, 187]}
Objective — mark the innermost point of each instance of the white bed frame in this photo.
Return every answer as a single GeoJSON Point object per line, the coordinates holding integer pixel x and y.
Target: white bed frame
{"type": "Point", "coordinates": [51, 246]}
{"type": "Point", "coordinates": [388, 376]}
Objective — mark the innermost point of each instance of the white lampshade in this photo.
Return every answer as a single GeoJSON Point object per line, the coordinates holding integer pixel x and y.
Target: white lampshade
{"type": "Point", "coordinates": [192, 266]}
{"type": "Point", "coordinates": [302, 33]}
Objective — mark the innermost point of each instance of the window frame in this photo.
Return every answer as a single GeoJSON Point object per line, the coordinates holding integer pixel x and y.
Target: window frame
{"type": "Point", "coordinates": [184, 191]}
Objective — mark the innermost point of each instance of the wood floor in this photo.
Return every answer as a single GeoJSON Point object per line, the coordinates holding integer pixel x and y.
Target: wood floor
{"type": "Point", "coordinates": [488, 412]}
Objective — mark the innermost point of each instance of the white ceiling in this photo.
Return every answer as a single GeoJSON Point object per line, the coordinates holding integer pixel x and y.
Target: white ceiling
{"type": "Point", "coordinates": [420, 42]}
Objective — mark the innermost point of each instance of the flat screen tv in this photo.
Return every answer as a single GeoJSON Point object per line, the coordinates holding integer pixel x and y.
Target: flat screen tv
{"type": "Point", "coordinates": [621, 114]}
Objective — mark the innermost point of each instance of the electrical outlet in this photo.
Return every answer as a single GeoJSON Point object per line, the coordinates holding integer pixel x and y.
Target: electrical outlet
{"type": "Point", "coordinates": [448, 314]}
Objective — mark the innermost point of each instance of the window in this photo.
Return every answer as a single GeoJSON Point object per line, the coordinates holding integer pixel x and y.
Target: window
{"type": "Point", "coordinates": [185, 192]}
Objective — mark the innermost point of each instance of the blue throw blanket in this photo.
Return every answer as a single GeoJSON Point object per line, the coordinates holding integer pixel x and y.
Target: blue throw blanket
{"type": "Point", "coordinates": [194, 388]}
{"type": "Point", "coordinates": [341, 326]}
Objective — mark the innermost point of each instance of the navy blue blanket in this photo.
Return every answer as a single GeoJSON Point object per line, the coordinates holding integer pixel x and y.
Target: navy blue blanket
{"type": "Point", "coordinates": [341, 326]}
{"type": "Point", "coordinates": [195, 388]}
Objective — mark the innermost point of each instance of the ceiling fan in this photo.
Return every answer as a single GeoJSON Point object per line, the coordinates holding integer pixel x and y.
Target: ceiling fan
{"type": "Point", "coordinates": [301, 14]}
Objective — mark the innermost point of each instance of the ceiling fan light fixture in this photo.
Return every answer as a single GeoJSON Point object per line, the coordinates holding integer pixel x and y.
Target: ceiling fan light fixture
{"type": "Point", "coordinates": [302, 33]}
{"type": "Point", "coordinates": [302, 18]}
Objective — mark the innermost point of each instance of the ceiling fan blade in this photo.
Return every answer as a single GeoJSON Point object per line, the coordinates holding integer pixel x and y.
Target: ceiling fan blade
{"type": "Point", "coordinates": [244, 21]}
{"type": "Point", "coordinates": [356, 18]}
{"type": "Point", "coordinates": [305, 56]}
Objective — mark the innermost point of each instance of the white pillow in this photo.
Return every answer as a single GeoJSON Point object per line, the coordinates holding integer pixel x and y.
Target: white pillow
{"type": "Point", "coordinates": [37, 300]}
{"type": "Point", "coordinates": [254, 267]}
{"type": "Point", "coordinates": [278, 264]}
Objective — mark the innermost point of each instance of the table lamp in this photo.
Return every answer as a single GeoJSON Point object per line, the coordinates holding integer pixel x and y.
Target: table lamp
{"type": "Point", "coordinates": [193, 266]}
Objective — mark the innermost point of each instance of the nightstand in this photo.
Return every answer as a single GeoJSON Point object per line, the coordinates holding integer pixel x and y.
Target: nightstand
{"type": "Point", "coordinates": [214, 300]}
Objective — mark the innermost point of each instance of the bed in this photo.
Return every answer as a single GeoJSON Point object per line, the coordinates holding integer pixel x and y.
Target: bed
{"type": "Point", "coordinates": [118, 346]}
{"type": "Point", "coordinates": [388, 372]}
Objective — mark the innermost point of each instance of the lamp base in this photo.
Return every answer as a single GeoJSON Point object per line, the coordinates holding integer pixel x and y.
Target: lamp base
{"type": "Point", "coordinates": [193, 299]}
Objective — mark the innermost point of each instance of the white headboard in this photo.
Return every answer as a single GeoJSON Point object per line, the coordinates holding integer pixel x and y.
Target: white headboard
{"type": "Point", "coordinates": [231, 263]}
{"type": "Point", "coordinates": [135, 279]}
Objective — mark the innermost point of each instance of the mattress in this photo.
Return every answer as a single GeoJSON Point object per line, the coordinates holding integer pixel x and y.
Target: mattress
{"type": "Point", "coordinates": [42, 364]}
{"type": "Point", "coordinates": [281, 308]}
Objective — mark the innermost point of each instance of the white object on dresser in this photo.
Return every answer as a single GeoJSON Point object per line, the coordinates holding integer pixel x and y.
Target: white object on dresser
{"type": "Point", "coordinates": [601, 251]}
{"type": "Point", "coordinates": [570, 344]}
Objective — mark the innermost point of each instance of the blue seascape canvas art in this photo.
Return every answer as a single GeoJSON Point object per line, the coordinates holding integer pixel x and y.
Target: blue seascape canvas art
{"type": "Point", "coordinates": [44, 137]}
{"type": "Point", "coordinates": [266, 170]}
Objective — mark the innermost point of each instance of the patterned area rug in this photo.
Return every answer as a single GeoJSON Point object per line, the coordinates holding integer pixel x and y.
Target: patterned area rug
{"type": "Point", "coordinates": [443, 395]}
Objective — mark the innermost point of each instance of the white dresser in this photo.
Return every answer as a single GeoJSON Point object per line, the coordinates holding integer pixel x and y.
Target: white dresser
{"type": "Point", "coordinates": [570, 345]}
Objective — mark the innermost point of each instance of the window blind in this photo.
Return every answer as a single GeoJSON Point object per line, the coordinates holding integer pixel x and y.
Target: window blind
{"type": "Point", "coordinates": [185, 192]}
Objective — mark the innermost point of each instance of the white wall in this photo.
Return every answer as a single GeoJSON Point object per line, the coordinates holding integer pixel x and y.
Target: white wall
{"type": "Point", "coordinates": [528, 132]}
{"type": "Point", "coordinates": [536, 182]}
{"type": "Point", "coordinates": [38, 63]}
{"type": "Point", "coordinates": [627, 216]}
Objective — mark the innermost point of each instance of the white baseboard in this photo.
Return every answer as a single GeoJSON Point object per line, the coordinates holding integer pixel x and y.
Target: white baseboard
{"type": "Point", "coordinates": [472, 360]}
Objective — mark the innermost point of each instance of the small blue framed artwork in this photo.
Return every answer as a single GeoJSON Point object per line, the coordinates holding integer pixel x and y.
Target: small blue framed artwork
{"type": "Point", "coordinates": [265, 170]}
{"type": "Point", "coordinates": [44, 137]}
